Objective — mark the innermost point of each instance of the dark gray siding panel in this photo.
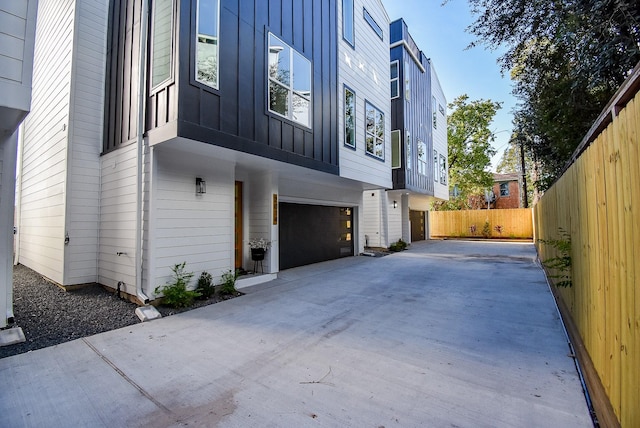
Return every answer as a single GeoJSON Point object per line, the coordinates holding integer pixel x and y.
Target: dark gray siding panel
{"type": "Point", "coordinates": [310, 27]}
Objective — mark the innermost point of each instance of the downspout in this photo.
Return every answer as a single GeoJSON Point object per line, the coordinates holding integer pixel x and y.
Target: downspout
{"type": "Point", "coordinates": [142, 94]}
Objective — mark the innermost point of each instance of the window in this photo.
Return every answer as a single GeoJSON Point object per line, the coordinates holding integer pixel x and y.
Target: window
{"type": "Point", "coordinates": [161, 42]}
{"type": "Point", "coordinates": [289, 82]}
{"type": "Point", "coordinates": [349, 118]}
{"type": "Point", "coordinates": [408, 150]}
{"type": "Point", "coordinates": [436, 173]}
{"type": "Point", "coordinates": [422, 158]}
{"type": "Point", "coordinates": [374, 25]}
{"type": "Point", "coordinates": [504, 189]}
{"type": "Point", "coordinates": [407, 82]}
{"type": "Point", "coordinates": [207, 42]}
{"type": "Point", "coordinates": [374, 131]}
{"type": "Point", "coordinates": [348, 32]}
{"type": "Point", "coordinates": [395, 82]}
{"type": "Point", "coordinates": [441, 109]}
{"type": "Point", "coordinates": [434, 105]}
{"type": "Point", "coordinates": [396, 141]}
{"type": "Point", "coordinates": [443, 170]}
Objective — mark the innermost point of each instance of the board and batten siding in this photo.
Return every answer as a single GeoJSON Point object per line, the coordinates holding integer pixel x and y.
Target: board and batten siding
{"type": "Point", "coordinates": [85, 142]}
{"type": "Point", "coordinates": [440, 144]}
{"type": "Point", "coordinates": [44, 152]}
{"type": "Point", "coordinates": [118, 219]}
{"type": "Point", "coordinates": [196, 229]}
{"type": "Point", "coordinates": [365, 70]}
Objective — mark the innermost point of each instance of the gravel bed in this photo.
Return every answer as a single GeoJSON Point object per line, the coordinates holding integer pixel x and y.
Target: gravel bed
{"type": "Point", "coordinates": [48, 315]}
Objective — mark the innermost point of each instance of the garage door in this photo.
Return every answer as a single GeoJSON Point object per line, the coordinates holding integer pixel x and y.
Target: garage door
{"type": "Point", "coordinates": [314, 233]}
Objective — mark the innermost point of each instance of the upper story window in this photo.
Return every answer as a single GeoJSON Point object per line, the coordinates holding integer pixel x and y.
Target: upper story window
{"type": "Point", "coordinates": [374, 25]}
{"type": "Point", "coordinates": [207, 53]}
{"type": "Point", "coordinates": [395, 80]}
{"type": "Point", "coordinates": [348, 27]}
{"type": "Point", "coordinates": [374, 131]}
{"type": "Point", "coordinates": [422, 157]}
{"type": "Point", "coordinates": [504, 189]}
{"type": "Point", "coordinates": [289, 82]}
{"type": "Point", "coordinates": [443, 170]}
{"type": "Point", "coordinates": [407, 81]}
{"type": "Point", "coordinates": [396, 142]}
{"type": "Point", "coordinates": [161, 42]}
{"type": "Point", "coordinates": [436, 174]}
{"type": "Point", "coordinates": [434, 105]}
{"type": "Point", "coordinates": [408, 145]}
{"type": "Point", "coordinates": [349, 118]}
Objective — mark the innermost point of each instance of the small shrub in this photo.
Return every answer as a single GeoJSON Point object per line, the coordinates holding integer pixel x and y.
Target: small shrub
{"type": "Point", "coordinates": [562, 262]}
{"type": "Point", "coordinates": [228, 285]}
{"type": "Point", "coordinates": [176, 294]}
{"type": "Point", "coordinates": [400, 245]}
{"type": "Point", "coordinates": [205, 287]}
{"type": "Point", "coordinates": [498, 229]}
{"type": "Point", "coordinates": [473, 229]}
{"type": "Point", "coordinates": [486, 229]}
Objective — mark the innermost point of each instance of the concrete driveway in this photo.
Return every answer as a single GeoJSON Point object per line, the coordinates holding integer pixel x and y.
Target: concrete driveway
{"type": "Point", "coordinates": [447, 334]}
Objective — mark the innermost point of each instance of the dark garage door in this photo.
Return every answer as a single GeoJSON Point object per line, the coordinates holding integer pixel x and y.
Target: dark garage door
{"type": "Point", "coordinates": [314, 233]}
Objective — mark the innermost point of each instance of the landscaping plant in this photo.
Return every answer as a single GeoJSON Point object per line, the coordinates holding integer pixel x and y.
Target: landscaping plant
{"type": "Point", "coordinates": [562, 262]}
{"type": "Point", "coordinates": [205, 287]}
{"type": "Point", "coordinates": [228, 285]}
{"type": "Point", "coordinates": [175, 293]}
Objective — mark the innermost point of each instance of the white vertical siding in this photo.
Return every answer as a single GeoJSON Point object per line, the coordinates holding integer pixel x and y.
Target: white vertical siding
{"type": "Point", "coordinates": [394, 218]}
{"type": "Point", "coordinates": [372, 219]}
{"type": "Point", "coordinates": [85, 142]}
{"type": "Point", "coordinates": [44, 152]}
{"type": "Point", "coordinates": [196, 229]}
{"type": "Point", "coordinates": [440, 133]}
{"type": "Point", "coordinates": [365, 70]}
{"type": "Point", "coordinates": [118, 218]}
{"type": "Point", "coordinates": [261, 189]}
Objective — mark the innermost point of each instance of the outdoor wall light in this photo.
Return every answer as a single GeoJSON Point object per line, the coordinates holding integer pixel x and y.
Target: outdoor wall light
{"type": "Point", "coordinates": [201, 186]}
{"type": "Point", "coordinates": [395, 205]}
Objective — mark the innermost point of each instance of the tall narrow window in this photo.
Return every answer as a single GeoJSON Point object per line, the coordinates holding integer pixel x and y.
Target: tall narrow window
{"type": "Point", "coordinates": [348, 32]}
{"type": "Point", "coordinates": [396, 143]}
{"type": "Point", "coordinates": [435, 166]}
{"type": "Point", "coordinates": [434, 106]}
{"type": "Point", "coordinates": [373, 24]}
{"type": "Point", "coordinates": [443, 170]}
{"type": "Point", "coordinates": [207, 53]}
{"type": "Point", "coordinates": [407, 81]}
{"type": "Point", "coordinates": [161, 42]}
{"type": "Point", "coordinates": [374, 131]}
{"type": "Point", "coordinates": [408, 150]}
{"type": "Point", "coordinates": [289, 82]}
{"type": "Point", "coordinates": [395, 83]}
{"type": "Point", "coordinates": [349, 118]}
{"type": "Point", "coordinates": [422, 158]}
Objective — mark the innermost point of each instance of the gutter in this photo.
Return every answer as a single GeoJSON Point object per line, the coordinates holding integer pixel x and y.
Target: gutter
{"type": "Point", "coordinates": [142, 94]}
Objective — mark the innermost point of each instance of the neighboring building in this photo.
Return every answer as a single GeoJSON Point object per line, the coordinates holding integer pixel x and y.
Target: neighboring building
{"type": "Point", "coordinates": [506, 191]}
{"type": "Point", "coordinates": [230, 126]}
{"type": "Point", "coordinates": [419, 146]}
{"type": "Point", "coordinates": [17, 32]}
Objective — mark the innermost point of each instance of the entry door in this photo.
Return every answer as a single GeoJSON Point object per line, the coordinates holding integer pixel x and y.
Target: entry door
{"type": "Point", "coordinates": [238, 225]}
{"type": "Point", "coordinates": [417, 226]}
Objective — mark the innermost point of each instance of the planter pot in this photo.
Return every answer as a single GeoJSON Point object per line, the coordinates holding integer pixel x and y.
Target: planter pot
{"type": "Point", "coordinates": [257, 254]}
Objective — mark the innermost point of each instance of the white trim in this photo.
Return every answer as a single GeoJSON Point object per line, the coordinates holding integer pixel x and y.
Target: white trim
{"type": "Point", "coordinates": [413, 56]}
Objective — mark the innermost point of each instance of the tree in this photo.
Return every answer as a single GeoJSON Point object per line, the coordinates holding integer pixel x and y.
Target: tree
{"type": "Point", "coordinates": [511, 161]}
{"type": "Point", "coordinates": [566, 58]}
{"type": "Point", "coordinates": [469, 140]}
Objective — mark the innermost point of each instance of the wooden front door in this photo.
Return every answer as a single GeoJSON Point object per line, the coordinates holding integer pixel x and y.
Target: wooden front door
{"type": "Point", "coordinates": [417, 226]}
{"type": "Point", "coordinates": [238, 225]}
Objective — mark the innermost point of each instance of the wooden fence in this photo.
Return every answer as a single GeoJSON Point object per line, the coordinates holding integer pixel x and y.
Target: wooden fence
{"type": "Point", "coordinates": [597, 202]}
{"type": "Point", "coordinates": [512, 224]}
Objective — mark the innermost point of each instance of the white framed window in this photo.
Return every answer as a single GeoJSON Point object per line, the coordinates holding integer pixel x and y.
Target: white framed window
{"type": "Point", "coordinates": [396, 145]}
{"type": "Point", "coordinates": [504, 189]}
{"type": "Point", "coordinates": [161, 42]}
{"type": "Point", "coordinates": [348, 26]}
{"type": "Point", "coordinates": [408, 145]}
{"type": "Point", "coordinates": [374, 131]}
{"type": "Point", "coordinates": [443, 170]}
{"type": "Point", "coordinates": [289, 82]}
{"type": "Point", "coordinates": [349, 117]}
{"type": "Point", "coordinates": [434, 112]}
{"type": "Point", "coordinates": [373, 24]}
{"type": "Point", "coordinates": [207, 51]}
{"type": "Point", "coordinates": [395, 79]}
{"type": "Point", "coordinates": [436, 172]}
{"type": "Point", "coordinates": [422, 157]}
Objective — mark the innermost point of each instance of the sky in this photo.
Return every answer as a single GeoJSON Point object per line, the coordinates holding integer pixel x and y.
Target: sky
{"type": "Point", "coordinates": [440, 32]}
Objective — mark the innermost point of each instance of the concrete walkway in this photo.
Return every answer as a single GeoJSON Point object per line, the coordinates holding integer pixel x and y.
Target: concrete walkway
{"type": "Point", "coordinates": [447, 334]}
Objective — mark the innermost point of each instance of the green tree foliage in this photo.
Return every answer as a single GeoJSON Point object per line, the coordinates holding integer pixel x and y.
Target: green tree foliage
{"type": "Point", "coordinates": [470, 151]}
{"type": "Point", "coordinates": [566, 58]}
{"type": "Point", "coordinates": [511, 161]}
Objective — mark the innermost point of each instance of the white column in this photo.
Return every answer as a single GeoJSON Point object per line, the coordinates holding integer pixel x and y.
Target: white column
{"type": "Point", "coordinates": [8, 151]}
